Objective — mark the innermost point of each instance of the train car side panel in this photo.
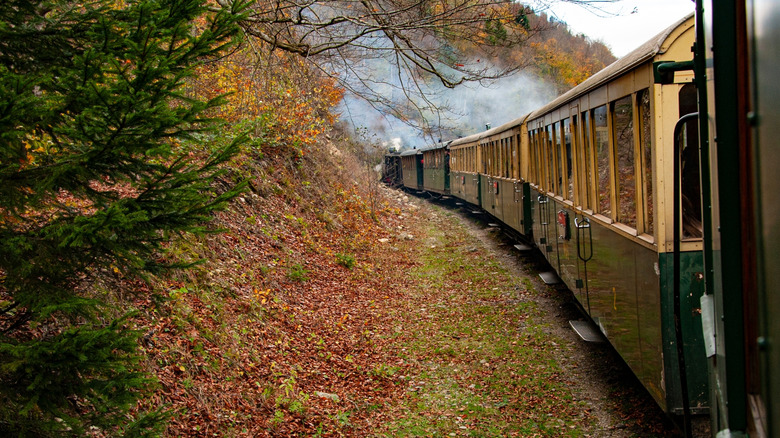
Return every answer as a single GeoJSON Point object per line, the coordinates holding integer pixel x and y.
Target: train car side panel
{"type": "Point", "coordinates": [410, 170]}
{"type": "Point", "coordinates": [766, 65]}
{"type": "Point", "coordinates": [691, 288]}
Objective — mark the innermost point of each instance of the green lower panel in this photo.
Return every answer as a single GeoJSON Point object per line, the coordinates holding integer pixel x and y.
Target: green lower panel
{"type": "Point", "coordinates": [691, 290]}
{"type": "Point", "coordinates": [622, 292]}
{"type": "Point", "coordinates": [434, 180]}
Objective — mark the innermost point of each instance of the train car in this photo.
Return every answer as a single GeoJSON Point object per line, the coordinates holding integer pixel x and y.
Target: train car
{"type": "Point", "coordinates": [486, 171]}
{"type": "Point", "coordinates": [601, 192]}
{"type": "Point", "coordinates": [503, 190]}
{"type": "Point", "coordinates": [464, 169]}
{"type": "Point", "coordinates": [436, 168]}
{"type": "Point", "coordinates": [392, 170]}
{"type": "Point", "coordinates": [740, 55]}
{"type": "Point", "coordinates": [412, 169]}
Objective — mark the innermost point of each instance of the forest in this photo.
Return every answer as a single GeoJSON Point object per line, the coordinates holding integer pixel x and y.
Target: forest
{"type": "Point", "coordinates": [184, 213]}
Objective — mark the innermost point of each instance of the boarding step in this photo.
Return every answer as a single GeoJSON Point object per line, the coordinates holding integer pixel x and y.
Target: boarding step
{"type": "Point", "coordinates": [459, 204]}
{"type": "Point", "coordinates": [492, 225]}
{"type": "Point", "coordinates": [549, 277]}
{"type": "Point", "coordinates": [476, 212]}
{"type": "Point", "coordinates": [587, 331]}
{"type": "Point", "coordinates": [523, 247]}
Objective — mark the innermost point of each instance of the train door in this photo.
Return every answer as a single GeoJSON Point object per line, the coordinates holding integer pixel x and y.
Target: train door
{"type": "Point", "coordinates": [586, 166]}
{"type": "Point", "coordinates": [763, 302]}
{"type": "Point", "coordinates": [548, 210]}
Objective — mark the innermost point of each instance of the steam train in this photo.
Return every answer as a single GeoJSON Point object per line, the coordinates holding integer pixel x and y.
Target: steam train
{"type": "Point", "coordinates": [650, 188]}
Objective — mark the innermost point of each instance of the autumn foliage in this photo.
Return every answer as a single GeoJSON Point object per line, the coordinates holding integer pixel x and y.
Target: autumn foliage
{"type": "Point", "coordinates": [186, 246]}
{"type": "Point", "coordinates": [276, 98]}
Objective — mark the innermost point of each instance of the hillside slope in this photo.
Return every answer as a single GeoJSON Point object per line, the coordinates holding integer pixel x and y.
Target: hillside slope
{"type": "Point", "coordinates": [276, 330]}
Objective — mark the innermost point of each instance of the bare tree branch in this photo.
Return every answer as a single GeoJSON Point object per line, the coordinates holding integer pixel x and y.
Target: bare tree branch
{"type": "Point", "coordinates": [421, 42]}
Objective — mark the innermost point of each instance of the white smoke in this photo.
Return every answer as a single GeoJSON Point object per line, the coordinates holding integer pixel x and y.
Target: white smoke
{"type": "Point", "coordinates": [467, 109]}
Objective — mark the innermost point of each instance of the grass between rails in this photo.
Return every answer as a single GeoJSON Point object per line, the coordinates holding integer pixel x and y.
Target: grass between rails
{"type": "Point", "coordinates": [481, 361]}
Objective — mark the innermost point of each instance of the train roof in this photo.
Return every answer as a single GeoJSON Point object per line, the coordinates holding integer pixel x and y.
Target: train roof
{"type": "Point", "coordinates": [490, 132]}
{"type": "Point", "coordinates": [436, 146]}
{"type": "Point", "coordinates": [426, 148]}
{"type": "Point", "coordinates": [647, 51]}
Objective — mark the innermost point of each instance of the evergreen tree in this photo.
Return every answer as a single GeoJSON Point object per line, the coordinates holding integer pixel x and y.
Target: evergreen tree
{"type": "Point", "coordinates": [93, 180]}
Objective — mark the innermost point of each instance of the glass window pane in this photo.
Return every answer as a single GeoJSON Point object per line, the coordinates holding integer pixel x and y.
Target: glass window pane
{"type": "Point", "coordinates": [602, 160]}
{"type": "Point", "coordinates": [647, 149]}
{"type": "Point", "coordinates": [516, 156]}
{"type": "Point", "coordinates": [558, 167]}
{"type": "Point", "coordinates": [567, 180]}
{"type": "Point", "coordinates": [587, 154]}
{"type": "Point", "coordinates": [550, 159]}
{"type": "Point", "coordinates": [623, 131]}
{"type": "Point", "coordinates": [534, 162]}
{"type": "Point", "coordinates": [507, 158]}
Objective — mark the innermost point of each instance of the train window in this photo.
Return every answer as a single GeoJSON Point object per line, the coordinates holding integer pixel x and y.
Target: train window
{"type": "Point", "coordinates": [568, 181]}
{"type": "Point", "coordinates": [504, 160]}
{"type": "Point", "coordinates": [491, 159]}
{"type": "Point", "coordinates": [492, 155]}
{"type": "Point", "coordinates": [532, 144]}
{"type": "Point", "coordinates": [587, 164]}
{"type": "Point", "coordinates": [497, 153]}
{"type": "Point", "coordinates": [541, 162]}
{"type": "Point", "coordinates": [576, 141]}
{"type": "Point", "coordinates": [601, 143]}
{"type": "Point", "coordinates": [558, 166]}
{"type": "Point", "coordinates": [508, 149]}
{"type": "Point", "coordinates": [532, 136]}
{"type": "Point", "coordinates": [502, 163]}
{"type": "Point", "coordinates": [645, 136]}
{"type": "Point", "coordinates": [516, 156]}
{"type": "Point", "coordinates": [623, 132]}
{"type": "Point", "coordinates": [492, 170]}
{"type": "Point", "coordinates": [689, 168]}
{"type": "Point", "coordinates": [497, 156]}
{"type": "Point", "coordinates": [549, 157]}
{"type": "Point", "coordinates": [496, 159]}
{"type": "Point", "coordinates": [508, 157]}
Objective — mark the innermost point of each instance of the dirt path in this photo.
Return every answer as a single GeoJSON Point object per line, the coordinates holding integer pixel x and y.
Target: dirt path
{"type": "Point", "coordinates": [596, 396]}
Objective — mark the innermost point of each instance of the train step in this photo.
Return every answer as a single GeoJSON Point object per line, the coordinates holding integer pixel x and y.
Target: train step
{"type": "Point", "coordinates": [523, 247]}
{"type": "Point", "coordinates": [549, 277]}
{"type": "Point", "coordinates": [587, 331]}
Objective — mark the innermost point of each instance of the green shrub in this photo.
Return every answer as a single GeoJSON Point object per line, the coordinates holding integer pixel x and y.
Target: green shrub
{"type": "Point", "coordinates": [95, 178]}
{"type": "Point", "coordinates": [297, 273]}
{"type": "Point", "coordinates": [345, 260]}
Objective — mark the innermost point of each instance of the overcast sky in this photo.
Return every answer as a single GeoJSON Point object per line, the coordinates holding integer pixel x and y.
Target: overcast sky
{"type": "Point", "coordinates": [623, 25]}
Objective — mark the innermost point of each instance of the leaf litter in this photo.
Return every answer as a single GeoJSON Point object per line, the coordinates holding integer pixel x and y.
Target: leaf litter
{"type": "Point", "coordinates": [275, 335]}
